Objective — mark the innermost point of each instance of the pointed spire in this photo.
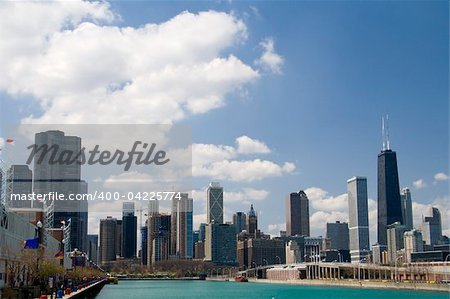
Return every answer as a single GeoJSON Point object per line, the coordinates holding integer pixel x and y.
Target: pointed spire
{"type": "Point", "coordinates": [385, 132]}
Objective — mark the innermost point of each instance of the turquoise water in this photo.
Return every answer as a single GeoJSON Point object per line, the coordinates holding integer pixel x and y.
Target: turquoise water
{"type": "Point", "coordinates": [211, 289]}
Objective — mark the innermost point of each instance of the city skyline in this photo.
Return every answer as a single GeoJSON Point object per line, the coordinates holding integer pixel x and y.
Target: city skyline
{"type": "Point", "coordinates": [299, 120]}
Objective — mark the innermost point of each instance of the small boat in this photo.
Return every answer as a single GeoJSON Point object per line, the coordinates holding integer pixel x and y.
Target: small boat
{"type": "Point", "coordinates": [240, 278]}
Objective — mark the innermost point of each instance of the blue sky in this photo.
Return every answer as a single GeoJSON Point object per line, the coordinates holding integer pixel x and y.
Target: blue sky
{"type": "Point", "coordinates": [345, 64]}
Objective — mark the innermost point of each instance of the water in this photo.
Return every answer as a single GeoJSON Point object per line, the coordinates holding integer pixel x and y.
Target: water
{"type": "Point", "coordinates": [212, 289]}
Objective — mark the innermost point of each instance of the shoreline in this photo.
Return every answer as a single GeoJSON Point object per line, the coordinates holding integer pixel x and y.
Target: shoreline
{"type": "Point", "coordinates": [428, 287]}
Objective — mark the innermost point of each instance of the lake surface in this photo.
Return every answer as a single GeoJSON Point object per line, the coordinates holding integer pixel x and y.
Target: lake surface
{"type": "Point", "coordinates": [213, 289]}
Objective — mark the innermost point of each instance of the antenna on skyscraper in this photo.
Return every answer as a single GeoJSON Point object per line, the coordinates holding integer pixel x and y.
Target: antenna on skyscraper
{"type": "Point", "coordinates": [382, 134]}
{"type": "Point", "coordinates": [387, 132]}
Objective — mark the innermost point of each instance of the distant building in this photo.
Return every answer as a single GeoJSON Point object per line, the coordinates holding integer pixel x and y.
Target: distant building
{"type": "Point", "coordinates": [252, 221]}
{"type": "Point", "coordinates": [158, 228]}
{"type": "Point", "coordinates": [297, 214]}
{"type": "Point", "coordinates": [293, 253]}
{"type": "Point", "coordinates": [358, 219]}
{"type": "Point", "coordinates": [220, 244]}
{"type": "Point", "coordinates": [185, 244]}
{"type": "Point", "coordinates": [240, 221]}
{"type": "Point", "coordinates": [339, 235]}
{"type": "Point", "coordinates": [432, 227]}
{"type": "Point", "coordinates": [108, 240]}
{"type": "Point", "coordinates": [129, 230]}
{"type": "Point", "coordinates": [389, 203]}
{"type": "Point", "coordinates": [92, 251]}
{"type": "Point", "coordinates": [202, 233]}
{"type": "Point", "coordinates": [119, 237]}
{"type": "Point", "coordinates": [214, 203]}
{"type": "Point", "coordinates": [199, 250]}
{"type": "Point", "coordinates": [283, 233]}
{"type": "Point", "coordinates": [144, 244]}
{"type": "Point", "coordinates": [395, 241]}
{"type": "Point", "coordinates": [379, 254]}
{"type": "Point", "coordinates": [262, 252]}
{"type": "Point", "coordinates": [413, 242]}
{"type": "Point", "coordinates": [407, 214]}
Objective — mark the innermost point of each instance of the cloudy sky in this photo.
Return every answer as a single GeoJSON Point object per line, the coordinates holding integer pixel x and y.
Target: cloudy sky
{"type": "Point", "coordinates": [280, 96]}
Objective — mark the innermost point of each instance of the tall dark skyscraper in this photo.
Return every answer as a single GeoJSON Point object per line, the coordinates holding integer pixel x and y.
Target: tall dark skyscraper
{"type": "Point", "coordinates": [297, 214]}
{"type": "Point", "coordinates": [214, 203]}
{"type": "Point", "coordinates": [389, 202]}
{"type": "Point", "coordinates": [129, 230]}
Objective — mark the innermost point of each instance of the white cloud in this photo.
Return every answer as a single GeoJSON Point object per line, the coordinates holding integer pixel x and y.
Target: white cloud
{"type": "Point", "coordinates": [81, 69]}
{"type": "Point", "coordinates": [320, 200]}
{"type": "Point", "coordinates": [419, 184]}
{"type": "Point", "coordinates": [220, 162]}
{"type": "Point", "coordinates": [247, 145]}
{"type": "Point", "coordinates": [441, 176]}
{"type": "Point", "coordinates": [249, 170]}
{"type": "Point", "coordinates": [274, 229]}
{"type": "Point", "coordinates": [269, 59]}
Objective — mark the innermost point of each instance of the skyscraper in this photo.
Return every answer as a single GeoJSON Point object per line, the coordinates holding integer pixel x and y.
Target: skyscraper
{"type": "Point", "coordinates": [129, 230]}
{"type": "Point", "coordinates": [297, 214]}
{"type": "Point", "coordinates": [240, 221]}
{"type": "Point", "coordinates": [63, 178]}
{"type": "Point", "coordinates": [407, 214]}
{"type": "Point", "coordinates": [252, 221]}
{"type": "Point", "coordinates": [432, 227]}
{"type": "Point", "coordinates": [108, 236]}
{"type": "Point", "coordinates": [358, 219]}
{"type": "Point", "coordinates": [389, 203]}
{"type": "Point", "coordinates": [214, 203]}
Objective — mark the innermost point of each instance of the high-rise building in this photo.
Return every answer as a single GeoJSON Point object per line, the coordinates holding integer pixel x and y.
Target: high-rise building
{"type": "Point", "coordinates": [159, 248]}
{"type": "Point", "coordinates": [379, 254]}
{"type": "Point", "coordinates": [389, 203]}
{"type": "Point", "coordinates": [263, 252]}
{"type": "Point", "coordinates": [92, 251]}
{"type": "Point", "coordinates": [240, 221]}
{"type": "Point", "coordinates": [144, 244]}
{"type": "Point", "coordinates": [119, 236]}
{"type": "Point", "coordinates": [407, 214]}
{"type": "Point", "coordinates": [338, 235]}
{"type": "Point", "coordinates": [185, 244]}
{"type": "Point", "coordinates": [252, 221]}
{"type": "Point", "coordinates": [108, 236]}
{"type": "Point", "coordinates": [214, 203]}
{"type": "Point", "coordinates": [21, 184]}
{"type": "Point", "coordinates": [202, 232]}
{"type": "Point", "coordinates": [395, 241]}
{"type": "Point", "coordinates": [413, 242]}
{"type": "Point", "coordinates": [358, 219]}
{"type": "Point", "coordinates": [220, 243]}
{"type": "Point", "coordinates": [64, 179]}
{"type": "Point", "coordinates": [432, 227]}
{"type": "Point", "coordinates": [297, 214]}
{"type": "Point", "coordinates": [129, 230]}
{"type": "Point", "coordinates": [173, 226]}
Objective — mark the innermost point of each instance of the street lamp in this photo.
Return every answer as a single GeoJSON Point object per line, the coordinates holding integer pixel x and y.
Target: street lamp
{"type": "Point", "coordinates": [267, 263]}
